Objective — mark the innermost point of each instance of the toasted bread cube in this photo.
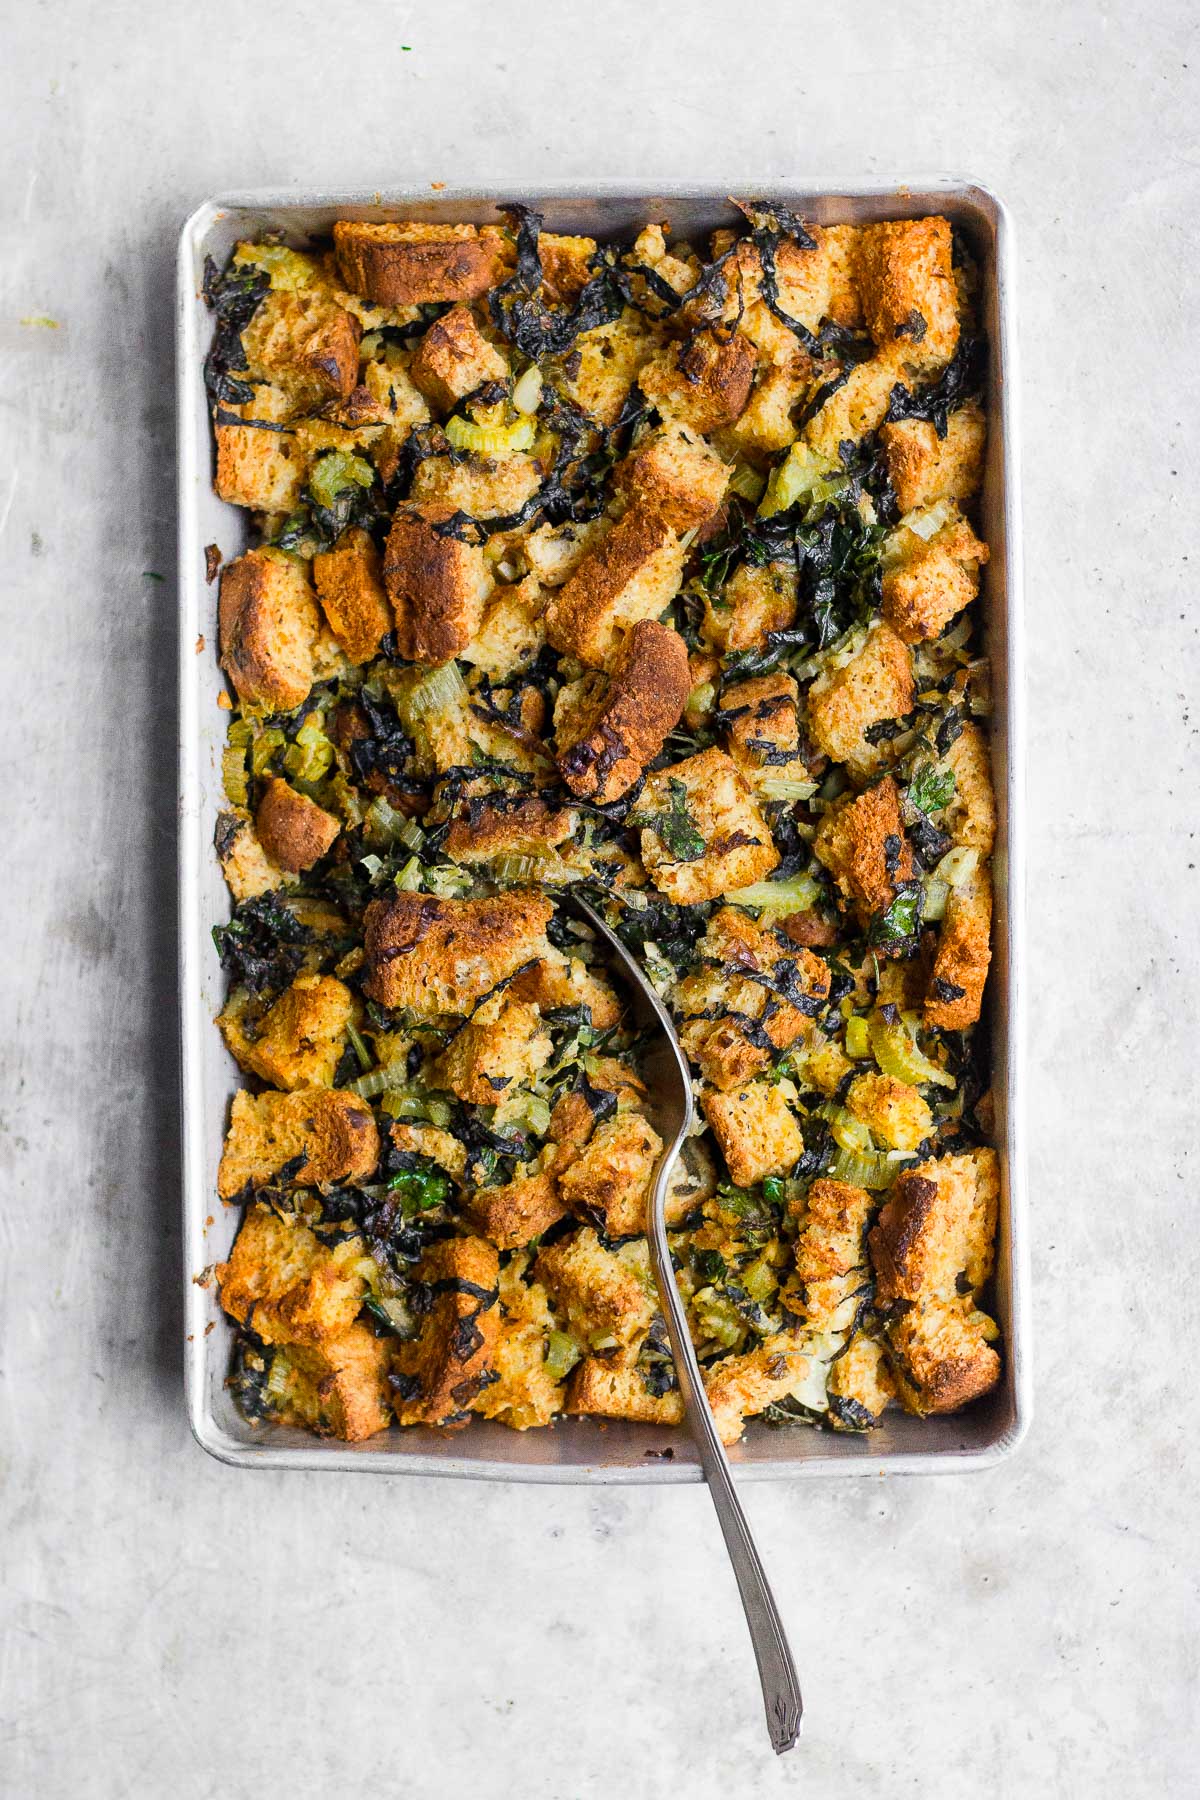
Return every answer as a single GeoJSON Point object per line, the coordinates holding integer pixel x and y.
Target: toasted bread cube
{"type": "Point", "coordinates": [483, 487]}
{"type": "Point", "coordinates": [330, 1134]}
{"type": "Point", "coordinates": [293, 830]}
{"type": "Point", "coordinates": [454, 358]}
{"type": "Point", "coordinates": [604, 1294]}
{"type": "Point", "coordinates": [938, 1224]}
{"type": "Point", "coordinates": [417, 265]}
{"type": "Point", "coordinates": [964, 953]}
{"type": "Point", "coordinates": [876, 684]}
{"type": "Point", "coordinates": [436, 1145]}
{"type": "Point", "coordinates": [860, 1386]}
{"type": "Point", "coordinates": [891, 1110]}
{"type": "Point", "coordinates": [288, 1286]}
{"type": "Point", "coordinates": [502, 1044]}
{"type": "Point", "coordinates": [831, 1252]}
{"type": "Point", "coordinates": [244, 863]}
{"type": "Point", "coordinates": [552, 553]}
{"type": "Point", "coordinates": [522, 1392]}
{"type": "Point", "coordinates": [632, 573]}
{"type": "Point", "coordinates": [609, 1182]}
{"type": "Point", "coordinates": [942, 1356]}
{"type": "Point", "coordinates": [259, 468]}
{"type": "Point", "coordinates": [298, 1043]}
{"type": "Point", "coordinates": [609, 1387]}
{"type": "Point", "coordinates": [675, 473]}
{"type": "Point", "coordinates": [437, 584]}
{"type": "Point", "coordinates": [924, 593]}
{"type": "Point", "coordinates": [924, 468]}
{"type": "Point", "coordinates": [756, 1130]}
{"type": "Point", "coordinates": [767, 424]}
{"type": "Point", "coordinates": [556, 980]}
{"type": "Point", "coordinates": [859, 406]}
{"type": "Point", "coordinates": [740, 1386]}
{"type": "Point", "coordinates": [607, 744]}
{"type": "Point", "coordinates": [604, 364]}
{"type": "Point", "coordinates": [441, 956]}
{"type": "Point", "coordinates": [307, 343]}
{"type": "Point", "coordinates": [862, 843]}
{"type": "Point", "coordinates": [349, 582]}
{"type": "Point", "coordinates": [737, 994]}
{"type": "Point", "coordinates": [440, 1374]}
{"type": "Point", "coordinates": [268, 624]}
{"type": "Point", "coordinates": [909, 297]}
{"type": "Point", "coordinates": [514, 1213]}
{"type": "Point", "coordinates": [338, 1388]}
{"type": "Point", "coordinates": [970, 815]}
{"type": "Point", "coordinates": [737, 848]}
{"type": "Point", "coordinates": [530, 828]}
{"type": "Point", "coordinates": [754, 601]}
{"type": "Point", "coordinates": [511, 634]}
{"type": "Point", "coordinates": [760, 719]}
{"type": "Point", "coordinates": [566, 266]}
{"type": "Point", "coordinates": [704, 383]}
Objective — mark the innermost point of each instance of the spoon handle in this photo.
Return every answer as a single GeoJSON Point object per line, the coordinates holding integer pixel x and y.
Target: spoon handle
{"type": "Point", "coordinates": [776, 1671]}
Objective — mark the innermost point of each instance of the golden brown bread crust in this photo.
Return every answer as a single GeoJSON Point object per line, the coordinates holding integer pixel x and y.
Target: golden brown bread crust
{"type": "Point", "coordinates": [676, 473]}
{"type": "Point", "coordinates": [415, 265]}
{"type": "Point", "coordinates": [906, 280]}
{"type": "Point", "coordinates": [347, 1378]}
{"type": "Point", "coordinates": [628, 576]}
{"type": "Point", "coordinates": [704, 383]}
{"type": "Point", "coordinates": [756, 1129]}
{"type": "Point", "coordinates": [741, 1385]}
{"type": "Point", "coordinates": [256, 468]}
{"type": "Point", "coordinates": [286, 1284]}
{"type": "Point", "coordinates": [923, 468]}
{"type": "Point", "coordinates": [923, 594]}
{"type": "Point", "coordinates": [862, 843]}
{"type": "Point", "coordinates": [530, 827]}
{"type": "Point", "coordinates": [454, 358]}
{"type": "Point", "coordinates": [738, 846]}
{"type": "Point", "coordinates": [329, 1134]}
{"type": "Point", "coordinates": [608, 1387]}
{"type": "Point", "coordinates": [645, 698]}
{"type": "Point", "coordinates": [437, 585]}
{"type": "Point", "coordinates": [306, 342]}
{"type": "Point", "coordinates": [445, 1368]}
{"type": "Point", "coordinates": [293, 830]}
{"type": "Point", "coordinates": [876, 684]}
{"type": "Point", "coordinates": [516, 1212]}
{"type": "Point", "coordinates": [268, 623]}
{"type": "Point", "coordinates": [963, 957]}
{"type": "Point", "coordinates": [941, 1358]}
{"type": "Point", "coordinates": [349, 582]}
{"type": "Point", "coordinates": [439, 956]}
{"type": "Point", "coordinates": [609, 1181]}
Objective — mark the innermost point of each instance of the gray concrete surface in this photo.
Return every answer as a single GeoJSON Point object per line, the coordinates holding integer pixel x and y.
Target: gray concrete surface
{"type": "Point", "coordinates": [175, 1628]}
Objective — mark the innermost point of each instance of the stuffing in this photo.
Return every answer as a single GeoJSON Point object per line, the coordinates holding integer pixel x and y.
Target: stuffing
{"type": "Point", "coordinates": [502, 1044]}
{"type": "Point", "coordinates": [529, 827]}
{"type": "Point", "coordinates": [514, 1213]}
{"type": "Point", "coordinates": [753, 602]}
{"type": "Point", "coordinates": [745, 988]}
{"type": "Point", "coordinates": [970, 815]}
{"type": "Point", "coordinates": [938, 1224]}
{"type": "Point", "coordinates": [964, 953]}
{"type": "Point", "coordinates": [437, 584]}
{"type": "Point", "coordinates": [609, 1182]}
{"type": "Point", "coordinates": [288, 1286]}
{"type": "Point", "coordinates": [909, 297]}
{"type": "Point", "coordinates": [522, 1392]}
{"type": "Point", "coordinates": [942, 1357]}
{"type": "Point", "coordinates": [703, 383]}
{"type": "Point", "coordinates": [418, 265]}
{"type": "Point", "coordinates": [767, 425]}
{"type": "Point", "coordinates": [831, 1254]}
{"type": "Point", "coordinates": [268, 624]}
{"type": "Point", "coordinates": [483, 487]}
{"type": "Point", "coordinates": [860, 1385]}
{"type": "Point", "coordinates": [756, 1130]}
{"type": "Point", "coordinates": [566, 266]}
{"type": "Point", "coordinates": [298, 1041]}
{"type": "Point", "coordinates": [924, 468]}
{"type": "Point", "coordinates": [303, 341]}
{"type": "Point", "coordinates": [629, 574]}
{"type": "Point", "coordinates": [892, 1111]}
{"type": "Point", "coordinates": [760, 721]}
{"type": "Point", "coordinates": [604, 364]}
{"type": "Point", "coordinates": [675, 473]}
{"type": "Point", "coordinates": [859, 405]}
{"type": "Point", "coordinates": [862, 843]}
{"type": "Point", "coordinates": [310, 1138]}
{"type": "Point", "coordinates": [608, 742]}
{"type": "Point", "coordinates": [244, 863]}
{"type": "Point", "coordinates": [552, 553]}
{"type": "Point", "coordinates": [826, 1065]}
{"type": "Point", "coordinates": [436, 1145]}
{"type": "Point", "coordinates": [740, 1386]}
{"type": "Point", "coordinates": [511, 634]}
{"type": "Point", "coordinates": [338, 1388]}
{"type": "Point", "coordinates": [454, 358]}
{"type": "Point", "coordinates": [874, 684]}
{"type": "Point", "coordinates": [440, 1373]}
{"type": "Point", "coordinates": [260, 468]}
{"type": "Point", "coordinates": [928, 589]}
{"type": "Point", "coordinates": [349, 583]}
{"type": "Point", "coordinates": [293, 830]}
{"type": "Point", "coordinates": [702, 832]}
{"type": "Point", "coordinates": [608, 1387]}
{"type": "Point", "coordinates": [555, 980]}
{"type": "Point", "coordinates": [604, 1294]}
{"type": "Point", "coordinates": [462, 947]}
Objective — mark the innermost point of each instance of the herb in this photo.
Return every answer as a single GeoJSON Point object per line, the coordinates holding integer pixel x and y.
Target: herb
{"type": "Point", "coordinates": [931, 788]}
{"type": "Point", "coordinates": [419, 1190]}
{"type": "Point", "coordinates": [675, 826]}
{"type": "Point", "coordinates": [902, 920]}
{"type": "Point", "coordinates": [263, 944]}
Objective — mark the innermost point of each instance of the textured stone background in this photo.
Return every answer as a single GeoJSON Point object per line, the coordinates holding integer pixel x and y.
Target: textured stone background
{"type": "Point", "coordinates": [177, 1628]}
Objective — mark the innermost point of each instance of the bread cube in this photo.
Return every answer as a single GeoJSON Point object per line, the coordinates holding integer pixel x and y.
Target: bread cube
{"type": "Point", "coordinates": [875, 684]}
{"type": "Point", "coordinates": [513, 1213]}
{"type": "Point", "coordinates": [703, 383]}
{"type": "Point", "coordinates": [609, 1182]}
{"type": "Point", "coordinates": [268, 624]}
{"type": "Point", "coordinates": [631, 573]}
{"type": "Point", "coordinates": [454, 358]}
{"type": "Point", "coordinates": [924, 468]}
{"type": "Point", "coordinates": [605, 1295]}
{"type": "Point", "coordinates": [410, 264]}
{"type": "Point", "coordinates": [675, 473]}
{"type": "Point", "coordinates": [440, 1373]}
{"type": "Point", "coordinates": [891, 1110]}
{"type": "Point", "coordinates": [756, 1130]}
{"type": "Point", "coordinates": [441, 956]}
{"type": "Point", "coordinates": [702, 832]}
{"type": "Point", "coordinates": [437, 584]}
{"type": "Point", "coordinates": [909, 297]}
{"type": "Point", "coordinates": [286, 1285]}
{"type": "Point", "coordinates": [606, 744]}
{"type": "Point", "coordinates": [305, 342]}
{"type": "Point", "coordinates": [349, 583]}
{"type": "Point", "coordinates": [740, 1386]}
{"type": "Point", "coordinates": [501, 1045]}
{"type": "Point", "coordinates": [338, 1388]}
{"type": "Point", "coordinates": [752, 603]}
{"type": "Point", "coordinates": [964, 954]}
{"type": "Point", "coordinates": [862, 843]}
{"type": "Point", "coordinates": [298, 1042]}
{"type": "Point", "coordinates": [923, 593]}
{"type": "Point", "coordinates": [611, 1387]}
{"type": "Point", "coordinates": [310, 1138]}
{"type": "Point", "coordinates": [293, 830]}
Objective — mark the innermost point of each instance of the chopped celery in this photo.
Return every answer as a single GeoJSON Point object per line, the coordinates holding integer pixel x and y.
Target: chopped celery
{"type": "Point", "coordinates": [785, 787]}
{"type": "Point", "coordinates": [898, 1054]}
{"type": "Point", "coordinates": [957, 866]}
{"type": "Point", "coordinates": [408, 879]}
{"type": "Point", "coordinates": [562, 1353]}
{"type": "Point", "coordinates": [801, 475]}
{"type": "Point", "coordinates": [527, 390]}
{"type": "Point", "coordinates": [871, 1169]}
{"type": "Point", "coordinates": [747, 483]}
{"type": "Point", "coordinates": [359, 1047]}
{"type": "Point", "coordinates": [490, 440]}
{"type": "Point", "coordinates": [796, 894]}
{"type": "Point", "coordinates": [934, 905]}
{"type": "Point", "coordinates": [848, 1133]}
{"type": "Point", "coordinates": [233, 775]}
{"type": "Point", "coordinates": [383, 824]}
{"type": "Point", "coordinates": [418, 1109]}
{"type": "Point", "coordinates": [527, 1111]}
{"type": "Point", "coordinates": [309, 758]}
{"type": "Point", "coordinates": [858, 1038]}
{"type": "Point", "coordinates": [268, 741]}
{"type": "Point", "coordinates": [439, 691]}
{"type": "Point", "coordinates": [336, 471]}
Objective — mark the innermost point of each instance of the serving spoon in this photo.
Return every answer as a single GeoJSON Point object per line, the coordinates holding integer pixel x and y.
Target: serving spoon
{"type": "Point", "coordinates": [670, 1080]}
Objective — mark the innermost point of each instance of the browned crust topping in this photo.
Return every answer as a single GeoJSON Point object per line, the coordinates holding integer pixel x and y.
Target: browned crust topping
{"type": "Point", "coordinates": [444, 1370]}
{"type": "Point", "coordinates": [897, 1236]}
{"type": "Point", "coordinates": [389, 266]}
{"type": "Point", "coordinates": [293, 830]}
{"type": "Point", "coordinates": [437, 585]}
{"type": "Point", "coordinates": [645, 700]}
{"type": "Point", "coordinates": [267, 620]}
{"type": "Point", "coordinates": [441, 955]}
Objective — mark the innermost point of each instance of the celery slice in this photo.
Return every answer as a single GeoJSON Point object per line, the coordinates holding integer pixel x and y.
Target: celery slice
{"type": "Point", "coordinates": [898, 1055]}
{"type": "Point", "coordinates": [490, 440]}
{"type": "Point", "coordinates": [796, 894]}
{"type": "Point", "coordinates": [858, 1038]}
{"type": "Point", "coordinates": [233, 775]}
{"type": "Point", "coordinates": [873, 1169]}
{"type": "Point", "coordinates": [562, 1353]}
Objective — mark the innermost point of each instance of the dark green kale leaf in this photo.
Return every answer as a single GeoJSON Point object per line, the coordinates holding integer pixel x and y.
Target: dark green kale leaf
{"type": "Point", "coordinates": [675, 826]}
{"type": "Point", "coordinates": [263, 944]}
{"type": "Point", "coordinates": [931, 788]}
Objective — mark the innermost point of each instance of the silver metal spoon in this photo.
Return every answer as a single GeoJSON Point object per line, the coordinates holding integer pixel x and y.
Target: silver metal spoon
{"type": "Point", "coordinates": [670, 1082]}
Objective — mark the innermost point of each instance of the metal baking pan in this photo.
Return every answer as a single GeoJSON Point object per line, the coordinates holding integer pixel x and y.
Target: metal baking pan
{"type": "Point", "coordinates": [580, 1450]}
